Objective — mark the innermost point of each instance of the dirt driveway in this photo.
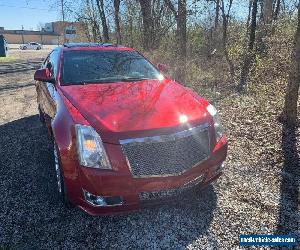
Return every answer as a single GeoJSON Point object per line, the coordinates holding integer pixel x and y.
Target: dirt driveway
{"type": "Point", "coordinates": [244, 201]}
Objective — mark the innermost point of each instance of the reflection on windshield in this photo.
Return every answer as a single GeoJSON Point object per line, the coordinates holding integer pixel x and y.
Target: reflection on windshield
{"type": "Point", "coordinates": [94, 66]}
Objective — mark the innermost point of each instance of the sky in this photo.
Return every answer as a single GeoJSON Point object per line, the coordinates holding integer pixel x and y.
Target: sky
{"type": "Point", "coordinates": [29, 13]}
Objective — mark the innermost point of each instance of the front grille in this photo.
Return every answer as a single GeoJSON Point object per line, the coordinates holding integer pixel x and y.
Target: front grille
{"type": "Point", "coordinates": [167, 155]}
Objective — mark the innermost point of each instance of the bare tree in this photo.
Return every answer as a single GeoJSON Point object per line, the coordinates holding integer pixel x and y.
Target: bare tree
{"type": "Point", "coordinates": [181, 36]}
{"type": "Point", "coordinates": [225, 17]}
{"type": "Point", "coordinates": [276, 8]}
{"type": "Point", "coordinates": [117, 20]}
{"type": "Point", "coordinates": [88, 15]}
{"type": "Point", "coordinates": [265, 25]}
{"type": "Point", "coordinates": [100, 5]}
{"type": "Point", "coordinates": [292, 91]}
{"type": "Point", "coordinates": [217, 2]}
{"type": "Point", "coordinates": [249, 15]}
{"type": "Point", "coordinates": [131, 20]}
{"type": "Point", "coordinates": [156, 22]}
{"type": "Point", "coordinates": [249, 55]}
{"type": "Point", "coordinates": [63, 19]}
{"type": "Point", "coordinates": [147, 24]}
{"type": "Point", "coordinates": [267, 11]}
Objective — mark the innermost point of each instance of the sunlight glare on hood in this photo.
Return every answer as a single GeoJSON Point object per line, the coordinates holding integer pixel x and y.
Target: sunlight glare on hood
{"type": "Point", "coordinates": [160, 77]}
{"type": "Point", "coordinates": [183, 118]}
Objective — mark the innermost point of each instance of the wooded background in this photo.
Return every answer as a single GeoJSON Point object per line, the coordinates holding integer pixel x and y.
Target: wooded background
{"type": "Point", "coordinates": [218, 45]}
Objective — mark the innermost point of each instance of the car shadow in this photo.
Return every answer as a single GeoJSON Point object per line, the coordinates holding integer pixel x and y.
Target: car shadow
{"type": "Point", "coordinates": [32, 216]}
{"type": "Point", "coordinates": [288, 218]}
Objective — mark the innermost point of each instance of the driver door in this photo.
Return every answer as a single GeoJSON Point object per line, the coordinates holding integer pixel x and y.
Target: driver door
{"type": "Point", "coordinates": [46, 91]}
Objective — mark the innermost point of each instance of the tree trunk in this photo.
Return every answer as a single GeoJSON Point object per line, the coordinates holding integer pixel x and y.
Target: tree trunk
{"type": "Point", "coordinates": [100, 5]}
{"type": "Point", "coordinates": [63, 21]}
{"type": "Point", "coordinates": [265, 26]}
{"type": "Point", "coordinates": [225, 17]}
{"type": "Point", "coordinates": [147, 23]}
{"type": "Point", "coordinates": [181, 39]}
{"type": "Point", "coordinates": [249, 15]}
{"type": "Point", "coordinates": [267, 11]}
{"type": "Point", "coordinates": [117, 20]}
{"type": "Point", "coordinates": [277, 10]}
{"type": "Point", "coordinates": [217, 14]}
{"type": "Point", "coordinates": [180, 17]}
{"type": "Point", "coordinates": [131, 32]}
{"type": "Point", "coordinates": [92, 19]}
{"type": "Point", "coordinates": [249, 55]}
{"type": "Point", "coordinates": [292, 91]}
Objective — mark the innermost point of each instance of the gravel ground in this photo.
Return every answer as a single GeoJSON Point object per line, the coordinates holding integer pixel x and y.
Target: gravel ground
{"type": "Point", "coordinates": [258, 193]}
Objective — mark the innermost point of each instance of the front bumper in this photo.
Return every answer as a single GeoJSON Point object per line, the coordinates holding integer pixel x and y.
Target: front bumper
{"type": "Point", "coordinates": [133, 191]}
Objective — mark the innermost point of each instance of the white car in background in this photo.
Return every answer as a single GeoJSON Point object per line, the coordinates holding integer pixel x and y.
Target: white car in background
{"type": "Point", "coordinates": [31, 45]}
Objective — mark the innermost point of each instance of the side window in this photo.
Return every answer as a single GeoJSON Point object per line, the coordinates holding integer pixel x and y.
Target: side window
{"type": "Point", "coordinates": [51, 62]}
{"type": "Point", "coordinates": [45, 62]}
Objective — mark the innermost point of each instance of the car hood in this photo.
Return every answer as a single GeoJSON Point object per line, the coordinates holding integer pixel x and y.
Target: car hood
{"type": "Point", "coordinates": [136, 109]}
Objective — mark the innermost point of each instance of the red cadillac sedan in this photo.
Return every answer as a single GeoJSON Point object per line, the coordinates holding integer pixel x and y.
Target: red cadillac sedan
{"type": "Point", "coordinates": [123, 133]}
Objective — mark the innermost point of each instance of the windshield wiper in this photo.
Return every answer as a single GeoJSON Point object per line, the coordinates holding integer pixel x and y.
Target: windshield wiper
{"type": "Point", "coordinates": [132, 79]}
{"type": "Point", "coordinates": [89, 82]}
{"type": "Point", "coordinates": [109, 80]}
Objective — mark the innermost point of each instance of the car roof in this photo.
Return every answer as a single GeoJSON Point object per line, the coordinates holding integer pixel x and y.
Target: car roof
{"type": "Point", "coordinates": [94, 46]}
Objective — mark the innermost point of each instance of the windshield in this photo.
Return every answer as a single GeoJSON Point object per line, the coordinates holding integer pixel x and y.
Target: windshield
{"type": "Point", "coordinates": [102, 66]}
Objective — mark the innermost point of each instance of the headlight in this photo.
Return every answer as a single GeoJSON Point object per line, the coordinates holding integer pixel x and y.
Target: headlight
{"type": "Point", "coordinates": [217, 123]}
{"type": "Point", "coordinates": [90, 148]}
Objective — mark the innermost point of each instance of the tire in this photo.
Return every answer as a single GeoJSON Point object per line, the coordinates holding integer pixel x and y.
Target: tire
{"type": "Point", "coordinates": [60, 182]}
{"type": "Point", "coordinates": [38, 48]}
{"type": "Point", "coordinates": [24, 48]}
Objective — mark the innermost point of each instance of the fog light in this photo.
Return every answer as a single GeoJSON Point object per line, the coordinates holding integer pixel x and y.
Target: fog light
{"type": "Point", "coordinates": [100, 201]}
{"type": "Point", "coordinates": [220, 168]}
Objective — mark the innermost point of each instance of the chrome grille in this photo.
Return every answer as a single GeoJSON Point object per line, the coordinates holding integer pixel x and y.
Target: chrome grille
{"type": "Point", "coordinates": [167, 155]}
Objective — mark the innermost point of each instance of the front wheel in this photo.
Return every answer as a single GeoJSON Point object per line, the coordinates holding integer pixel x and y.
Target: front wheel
{"type": "Point", "coordinates": [61, 187]}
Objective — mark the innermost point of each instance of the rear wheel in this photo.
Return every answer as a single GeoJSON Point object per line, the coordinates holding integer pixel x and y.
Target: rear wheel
{"type": "Point", "coordinates": [24, 48]}
{"type": "Point", "coordinates": [38, 48]}
{"type": "Point", "coordinates": [61, 187]}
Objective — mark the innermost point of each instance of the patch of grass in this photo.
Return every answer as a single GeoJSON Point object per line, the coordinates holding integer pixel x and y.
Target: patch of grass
{"type": "Point", "coordinates": [8, 59]}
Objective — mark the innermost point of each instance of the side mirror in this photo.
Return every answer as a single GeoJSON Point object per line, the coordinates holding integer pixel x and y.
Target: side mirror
{"type": "Point", "coordinates": [163, 67]}
{"type": "Point", "coordinates": [43, 75]}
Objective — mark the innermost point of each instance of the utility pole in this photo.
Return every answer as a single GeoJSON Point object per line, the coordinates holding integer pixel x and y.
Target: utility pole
{"type": "Point", "coordinates": [23, 34]}
{"type": "Point", "coordinates": [63, 20]}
